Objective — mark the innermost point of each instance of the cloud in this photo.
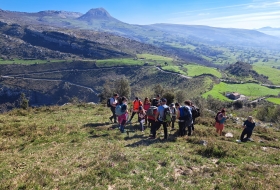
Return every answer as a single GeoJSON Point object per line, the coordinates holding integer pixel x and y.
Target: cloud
{"type": "Point", "coordinates": [257, 14]}
{"type": "Point", "coordinates": [249, 20]}
{"type": "Point", "coordinates": [264, 5]}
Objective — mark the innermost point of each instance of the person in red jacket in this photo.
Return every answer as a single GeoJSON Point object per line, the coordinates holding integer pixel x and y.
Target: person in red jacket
{"type": "Point", "coordinates": [147, 105]}
{"type": "Point", "coordinates": [136, 104]}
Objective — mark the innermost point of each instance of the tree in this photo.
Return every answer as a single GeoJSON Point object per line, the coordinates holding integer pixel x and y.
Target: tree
{"type": "Point", "coordinates": [169, 96]}
{"type": "Point", "coordinates": [106, 92]}
{"type": "Point", "coordinates": [158, 89]}
{"type": "Point", "coordinates": [181, 96]}
{"type": "Point", "coordinates": [23, 101]}
{"type": "Point", "coordinates": [122, 87]}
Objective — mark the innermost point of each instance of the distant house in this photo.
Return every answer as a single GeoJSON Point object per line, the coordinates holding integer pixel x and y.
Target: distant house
{"type": "Point", "coordinates": [234, 96]}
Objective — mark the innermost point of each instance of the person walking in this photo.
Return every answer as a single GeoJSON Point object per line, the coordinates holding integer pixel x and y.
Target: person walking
{"type": "Point", "coordinates": [220, 120]}
{"type": "Point", "coordinates": [113, 104]}
{"type": "Point", "coordinates": [147, 105]}
{"type": "Point", "coordinates": [181, 122]}
{"type": "Point", "coordinates": [141, 118]}
{"type": "Point", "coordinates": [123, 115]}
{"type": "Point", "coordinates": [136, 104]}
{"type": "Point", "coordinates": [248, 126]}
{"type": "Point", "coordinates": [188, 116]}
{"type": "Point", "coordinates": [159, 118]}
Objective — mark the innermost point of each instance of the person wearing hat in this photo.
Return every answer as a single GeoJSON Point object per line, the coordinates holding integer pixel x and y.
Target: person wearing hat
{"type": "Point", "coordinates": [174, 115]}
{"type": "Point", "coordinates": [159, 119]}
{"type": "Point", "coordinates": [141, 118]}
{"type": "Point", "coordinates": [136, 104]}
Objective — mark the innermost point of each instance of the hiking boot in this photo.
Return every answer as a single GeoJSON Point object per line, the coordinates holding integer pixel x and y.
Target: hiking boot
{"type": "Point", "coordinates": [238, 141]}
{"type": "Point", "coordinates": [152, 137]}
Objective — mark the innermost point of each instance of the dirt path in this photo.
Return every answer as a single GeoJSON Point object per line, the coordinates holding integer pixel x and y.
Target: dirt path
{"type": "Point", "coordinates": [54, 80]}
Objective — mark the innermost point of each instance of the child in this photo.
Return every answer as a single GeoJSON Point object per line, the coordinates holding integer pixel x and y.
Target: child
{"type": "Point", "coordinates": [123, 117]}
{"type": "Point", "coordinates": [141, 118]}
{"type": "Point", "coordinates": [220, 119]}
{"type": "Point", "coordinates": [249, 126]}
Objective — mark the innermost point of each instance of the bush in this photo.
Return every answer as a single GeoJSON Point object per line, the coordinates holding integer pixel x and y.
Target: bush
{"type": "Point", "coordinates": [170, 96]}
{"type": "Point", "coordinates": [23, 101]}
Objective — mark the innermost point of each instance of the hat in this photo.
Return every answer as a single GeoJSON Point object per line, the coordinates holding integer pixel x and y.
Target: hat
{"type": "Point", "coordinates": [172, 105]}
{"type": "Point", "coordinates": [163, 100]}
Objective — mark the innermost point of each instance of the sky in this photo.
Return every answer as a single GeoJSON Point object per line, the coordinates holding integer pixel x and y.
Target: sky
{"type": "Point", "coordinates": [247, 14]}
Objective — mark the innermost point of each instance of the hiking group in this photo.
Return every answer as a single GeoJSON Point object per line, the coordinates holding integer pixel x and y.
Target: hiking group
{"type": "Point", "coordinates": [156, 113]}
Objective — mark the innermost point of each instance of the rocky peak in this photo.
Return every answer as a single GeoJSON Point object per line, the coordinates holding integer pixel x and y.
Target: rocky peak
{"type": "Point", "coordinates": [99, 13]}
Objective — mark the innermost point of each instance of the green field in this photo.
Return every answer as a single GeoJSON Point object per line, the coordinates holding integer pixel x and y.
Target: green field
{"type": "Point", "coordinates": [119, 62]}
{"type": "Point", "coordinates": [142, 59]}
{"type": "Point", "coordinates": [27, 62]}
{"type": "Point", "coordinates": [250, 90]}
{"type": "Point", "coordinates": [174, 68]}
{"type": "Point", "coordinates": [196, 70]}
{"type": "Point", "coordinates": [274, 100]}
{"type": "Point", "coordinates": [273, 74]}
{"type": "Point", "coordinates": [75, 147]}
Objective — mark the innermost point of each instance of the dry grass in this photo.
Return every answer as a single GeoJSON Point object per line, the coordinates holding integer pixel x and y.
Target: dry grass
{"type": "Point", "coordinates": [71, 148]}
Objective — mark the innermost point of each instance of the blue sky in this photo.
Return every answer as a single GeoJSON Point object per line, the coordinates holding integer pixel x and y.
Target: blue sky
{"type": "Point", "coordinates": [247, 14]}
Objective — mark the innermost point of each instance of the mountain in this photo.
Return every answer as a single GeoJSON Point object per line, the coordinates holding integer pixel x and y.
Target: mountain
{"type": "Point", "coordinates": [270, 31]}
{"type": "Point", "coordinates": [100, 20]}
{"type": "Point", "coordinates": [57, 43]}
{"type": "Point", "coordinates": [220, 36]}
{"type": "Point", "coordinates": [99, 13]}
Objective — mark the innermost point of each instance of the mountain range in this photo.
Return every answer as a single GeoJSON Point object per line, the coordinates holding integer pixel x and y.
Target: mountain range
{"type": "Point", "coordinates": [109, 37]}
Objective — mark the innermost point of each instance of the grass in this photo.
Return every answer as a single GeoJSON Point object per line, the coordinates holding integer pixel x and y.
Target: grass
{"type": "Point", "coordinates": [196, 70]}
{"type": "Point", "coordinates": [274, 100]}
{"type": "Point", "coordinates": [147, 58]}
{"type": "Point", "coordinates": [249, 89]}
{"type": "Point", "coordinates": [27, 62]}
{"type": "Point", "coordinates": [119, 62]}
{"type": "Point", "coordinates": [174, 68]}
{"type": "Point", "coordinates": [71, 147]}
{"type": "Point", "coordinates": [272, 73]}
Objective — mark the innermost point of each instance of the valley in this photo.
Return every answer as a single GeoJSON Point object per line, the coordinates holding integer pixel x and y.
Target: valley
{"type": "Point", "coordinates": [58, 69]}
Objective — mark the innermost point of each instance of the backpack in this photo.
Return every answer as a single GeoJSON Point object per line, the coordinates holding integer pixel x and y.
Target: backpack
{"type": "Point", "coordinates": [119, 110]}
{"type": "Point", "coordinates": [186, 114]}
{"type": "Point", "coordinates": [109, 103]}
{"type": "Point", "coordinates": [167, 115]}
{"type": "Point", "coordinates": [195, 112]}
{"type": "Point", "coordinates": [216, 118]}
{"type": "Point", "coordinates": [150, 111]}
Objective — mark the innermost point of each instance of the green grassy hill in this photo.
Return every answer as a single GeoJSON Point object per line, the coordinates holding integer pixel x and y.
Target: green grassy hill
{"type": "Point", "coordinates": [273, 74]}
{"type": "Point", "coordinates": [251, 90]}
{"type": "Point", "coordinates": [70, 147]}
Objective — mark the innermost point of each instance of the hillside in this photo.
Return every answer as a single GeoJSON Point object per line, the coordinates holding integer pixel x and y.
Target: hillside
{"type": "Point", "coordinates": [71, 147]}
{"type": "Point", "coordinates": [19, 41]}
